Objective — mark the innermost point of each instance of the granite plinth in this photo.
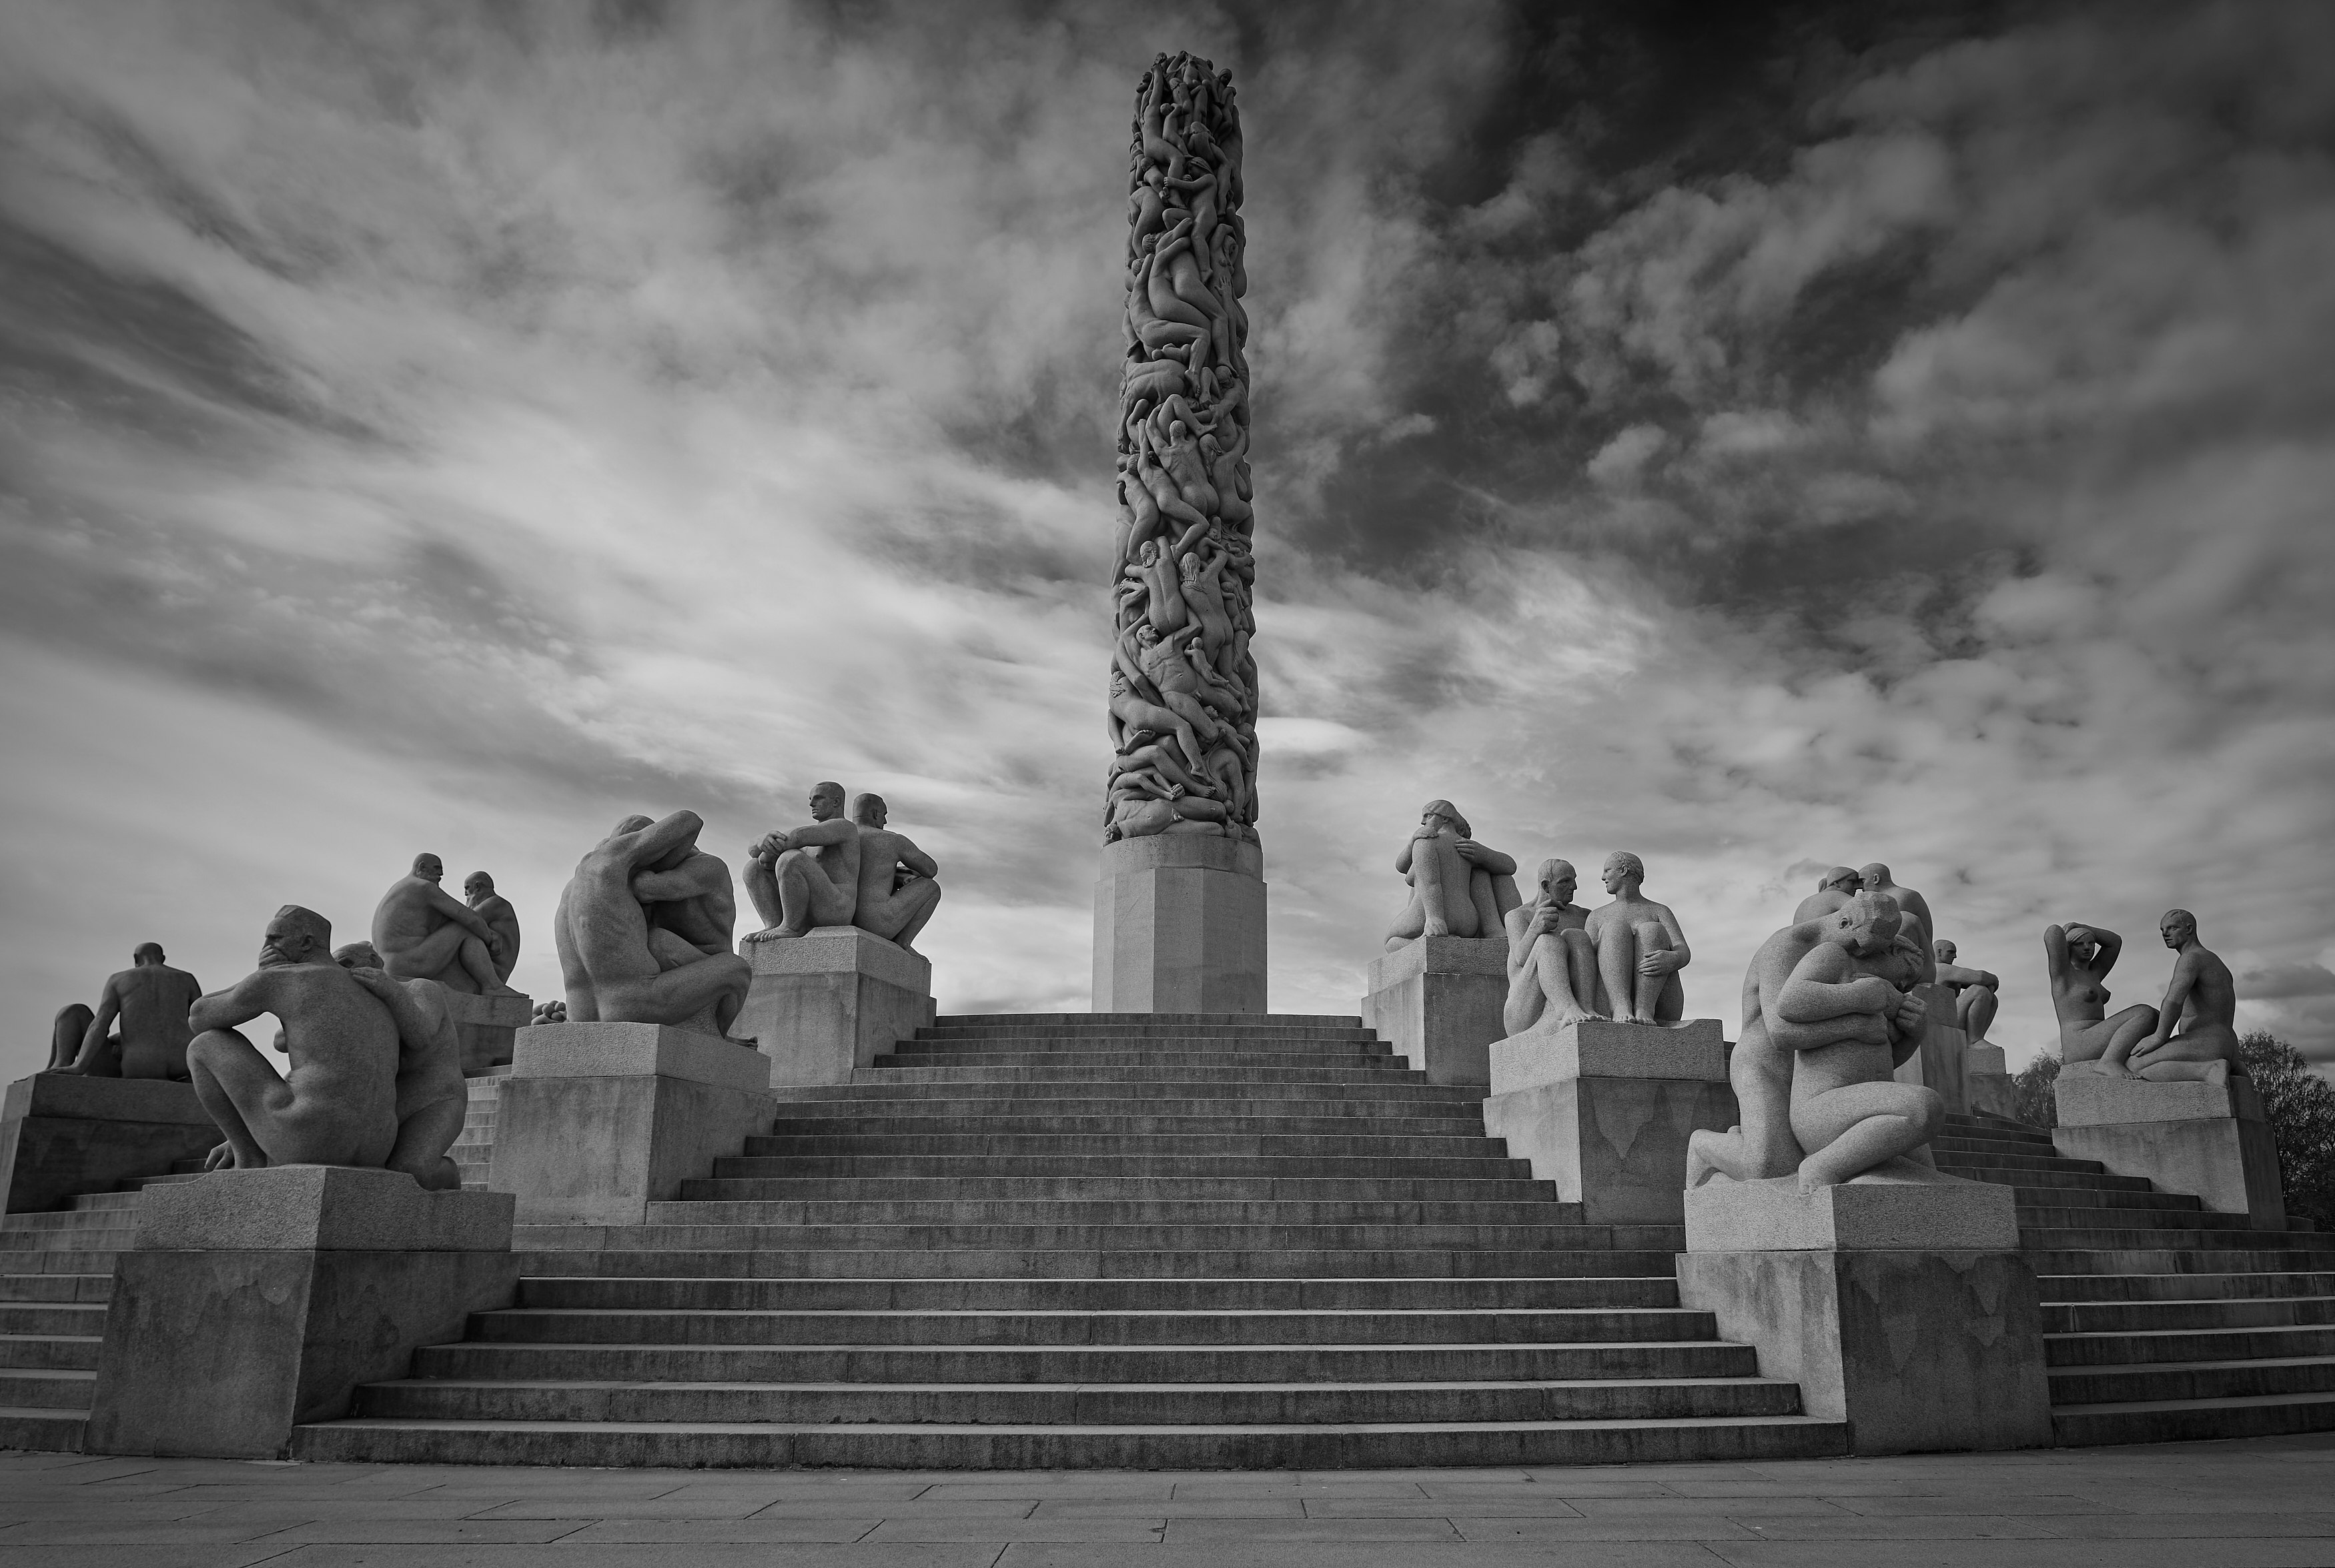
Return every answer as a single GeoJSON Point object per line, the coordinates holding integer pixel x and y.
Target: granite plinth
{"type": "Point", "coordinates": [1938, 1062]}
{"type": "Point", "coordinates": [2212, 1140]}
{"type": "Point", "coordinates": [1438, 1000]}
{"type": "Point", "coordinates": [62, 1134]}
{"type": "Point", "coordinates": [596, 1121]}
{"type": "Point", "coordinates": [831, 1000]}
{"type": "Point", "coordinates": [1695, 1048]}
{"type": "Point", "coordinates": [252, 1301]}
{"type": "Point", "coordinates": [486, 1025]}
{"type": "Point", "coordinates": [1870, 1213]}
{"type": "Point", "coordinates": [1180, 925]}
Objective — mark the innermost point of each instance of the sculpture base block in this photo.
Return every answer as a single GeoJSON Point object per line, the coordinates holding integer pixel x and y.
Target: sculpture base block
{"type": "Point", "coordinates": [486, 1025]}
{"type": "Point", "coordinates": [1939, 1063]}
{"type": "Point", "coordinates": [2212, 1140]}
{"type": "Point", "coordinates": [1944, 1214]}
{"type": "Point", "coordinates": [598, 1120]}
{"type": "Point", "coordinates": [1438, 1000]}
{"type": "Point", "coordinates": [1605, 1111]}
{"type": "Point", "coordinates": [63, 1133]}
{"type": "Point", "coordinates": [252, 1301]}
{"type": "Point", "coordinates": [1991, 1094]}
{"type": "Point", "coordinates": [831, 1000]}
{"type": "Point", "coordinates": [1179, 925]}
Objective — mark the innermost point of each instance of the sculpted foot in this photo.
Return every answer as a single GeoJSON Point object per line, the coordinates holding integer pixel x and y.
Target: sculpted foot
{"type": "Point", "coordinates": [771, 934]}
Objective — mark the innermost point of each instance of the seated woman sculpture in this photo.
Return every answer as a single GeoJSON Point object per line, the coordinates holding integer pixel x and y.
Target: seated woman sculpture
{"type": "Point", "coordinates": [2078, 958]}
{"type": "Point", "coordinates": [2202, 1000]}
{"type": "Point", "coordinates": [1457, 886]}
{"type": "Point", "coordinates": [1552, 963]}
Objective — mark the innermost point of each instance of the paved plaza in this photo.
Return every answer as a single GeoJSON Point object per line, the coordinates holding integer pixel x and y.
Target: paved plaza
{"type": "Point", "coordinates": [2265, 1500]}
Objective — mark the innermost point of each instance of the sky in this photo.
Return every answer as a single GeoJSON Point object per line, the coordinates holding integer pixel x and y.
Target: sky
{"type": "Point", "coordinates": [1758, 437]}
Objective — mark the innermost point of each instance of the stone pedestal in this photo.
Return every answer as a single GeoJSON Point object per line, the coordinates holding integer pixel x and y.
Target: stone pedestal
{"type": "Point", "coordinates": [1179, 925]}
{"type": "Point", "coordinates": [1987, 1088]}
{"type": "Point", "coordinates": [830, 1000]}
{"type": "Point", "coordinates": [252, 1301]}
{"type": "Point", "coordinates": [1939, 1063]}
{"type": "Point", "coordinates": [486, 1024]}
{"type": "Point", "coordinates": [62, 1134]}
{"type": "Point", "coordinates": [2213, 1140]}
{"type": "Point", "coordinates": [1902, 1308]}
{"type": "Point", "coordinates": [1437, 1000]}
{"type": "Point", "coordinates": [598, 1120]}
{"type": "Point", "coordinates": [1604, 1110]}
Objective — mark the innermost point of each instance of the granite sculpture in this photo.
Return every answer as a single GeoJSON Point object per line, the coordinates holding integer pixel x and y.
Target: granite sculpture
{"type": "Point", "coordinates": [2078, 958]}
{"type": "Point", "coordinates": [804, 878]}
{"type": "Point", "coordinates": [357, 956]}
{"type": "Point", "coordinates": [898, 882]}
{"type": "Point", "coordinates": [1974, 990]}
{"type": "Point", "coordinates": [2201, 1001]}
{"type": "Point", "coordinates": [479, 893]}
{"type": "Point", "coordinates": [1459, 887]}
{"type": "Point", "coordinates": [424, 932]}
{"type": "Point", "coordinates": [1833, 890]}
{"type": "Point", "coordinates": [1183, 685]}
{"type": "Point", "coordinates": [553, 1011]}
{"type": "Point", "coordinates": [65, 1032]}
{"type": "Point", "coordinates": [1640, 947]}
{"type": "Point", "coordinates": [1552, 963]}
{"type": "Point", "coordinates": [375, 1079]}
{"type": "Point", "coordinates": [620, 965]}
{"type": "Point", "coordinates": [1917, 926]}
{"type": "Point", "coordinates": [149, 1001]}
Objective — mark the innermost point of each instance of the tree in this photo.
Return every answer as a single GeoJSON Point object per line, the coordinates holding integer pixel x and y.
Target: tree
{"type": "Point", "coordinates": [2032, 1087]}
{"type": "Point", "coordinates": [2302, 1109]}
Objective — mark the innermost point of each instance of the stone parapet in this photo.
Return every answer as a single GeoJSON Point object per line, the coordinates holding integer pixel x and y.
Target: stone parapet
{"type": "Point", "coordinates": [1179, 925]}
{"type": "Point", "coordinates": [62, 1134]}
{"type": "Point", "coordinates": [1695, 1048]}
{"type": "Point", "coordinates": [832, 1001]}
{"type": "Point", "coordinates": [320, 1208]}
{"type": "Point", "coordinates": [1867, 1213]}
{"type": "Point", "coordinates": [2211, 1140]}
{"type": "Point", "coordinates": [1437, 1000]}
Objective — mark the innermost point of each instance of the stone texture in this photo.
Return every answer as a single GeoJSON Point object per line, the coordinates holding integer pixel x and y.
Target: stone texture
{"type": "Point", "coordinates": [1940, 1062]}
{"type": "Point", "coordinates": [597, 1121]}
{"type": "Point", "coordinates": [1991, 1094]}
{"type": "Point", "coordinates": [1595, 1048]}
{"type": "Point", "coordinates": [831, 1000]}
{"type": "Point", "coordinates": [488, 1026]}
{"type": "Point", "coordinates": [1438, 1001]}
{"type": "Point", "coordinates": [2093, 1099]}
{"type": "Point", "coordinates": [1978, 1056]}
{"type": "Point", "coordinates": [61, 1135]}
{"type": "Point", "coordinates": [1866, 1213]}
{"type": "Point", "coordinates": [1616, 1145]}
{"type": "Point", "coordinates": [319, 1208]}
{"type": "Point", "coordinates": [2211, 1140]}
{"type": "Point", "coordinates": [1916, 1349]}
{"type": "Point", "coordinates": [1179, 925]}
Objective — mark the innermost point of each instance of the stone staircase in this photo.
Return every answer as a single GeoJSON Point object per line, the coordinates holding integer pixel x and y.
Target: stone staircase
{"type": "Point", "coordinates": [1056, 1241]}
{"type": "Point", "coordinates": [2163, 1322]}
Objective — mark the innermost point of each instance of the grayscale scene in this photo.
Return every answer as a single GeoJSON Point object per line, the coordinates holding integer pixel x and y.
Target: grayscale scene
{"type": "Point", "coordinates": [1028, 783]}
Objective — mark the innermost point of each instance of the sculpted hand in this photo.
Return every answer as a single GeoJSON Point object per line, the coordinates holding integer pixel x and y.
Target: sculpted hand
{"type": "Point", "coordinates": [1653, 963]}
{"type": "Point", "coordinates": [1545, 919]}
{"type": "Point", "coordinates": [1911, 1011]}
{"type": "Point", "coordinates": [1470, 851]}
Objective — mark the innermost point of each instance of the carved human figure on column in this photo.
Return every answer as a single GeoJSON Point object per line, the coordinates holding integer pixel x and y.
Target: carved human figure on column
{"type": "Point", "coordinates": [424, 932]}
{"type": "Point", "coordinates": [2078, 958]}
{"type": "Point", "coordinates": [1833, 888]}
{"type": "Point", "coordinates": [898, 882]}
{"type": "Point", "coordinates": [1552, 963]}
{"type": "Point", "coordinates": [150, 1001]}
{"type": "Point", "coordinates": [1974, 991]}
{"type": "Point", "coordinates": [1640, 947]}
{"type": "Point", "coordinates": [802, 877]}
{"type": "Point", "coordinates": [2201, 1002]}
{"type": "Point", "coordinates": [619, 966]}
{"type": "Point", "coordinates": [1459, 887]}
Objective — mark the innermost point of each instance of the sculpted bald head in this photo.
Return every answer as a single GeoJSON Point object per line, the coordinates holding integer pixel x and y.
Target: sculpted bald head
{"type": "Point", "coordinates": [428, 866]}
{"type": "Point", "coordinates": [1556, 880]}
{"type": "Point", "coordinates": [869, 810]}
{"type": "Point", "coordinates": [296, 935]}
{"type": "Point", "coordinates": [825, 801]}
{"type": "Point", "coordinates": [1875, 875]}
{"type": "Point", "coordinates": [147, 953]}
{"type": "Point", "coordinates": [1841, 878]}
{"type": "Point", "coordinates": [1865, 924]}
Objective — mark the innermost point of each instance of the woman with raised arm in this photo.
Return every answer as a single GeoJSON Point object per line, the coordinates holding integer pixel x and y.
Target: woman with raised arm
{"type": "Point", "coordinates": [2078, 958]}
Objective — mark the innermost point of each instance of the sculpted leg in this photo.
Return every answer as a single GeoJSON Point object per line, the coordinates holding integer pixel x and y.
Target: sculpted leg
{"type": "Point", "coordinates": [1617, 969]}
{"type": "Point", "coordinates": [229, 1075]}
{"type": "Point", "coordinates": [1859, 1126]}
{"type": "Point", "coordinates": [1411, 922]}
{"type": "Point", "coordinates": [762, 887]}
{"type": "Point", "coordinates": [422, 1140]}
{"type": "Point", "coordinates": [720, 980]}
{"type": "Point", "coordinates": [1650, 990]}
{"type": "Point", "coordinates": [1977, 1011]}
{"type": "Point", "coordinates": [434, 954]}
{"type": "Point", "coordinates": [1562, 960]}
{"type": "Point", "coordinates": [90, 1050]}
{"type": "Point", "coordinates": [911, 909]}
{"type": "Point", "coordinates": [1436, 873]}
{"type": "Point", "coordinates": [582, 1002]}
{"type": "Point", "coordinates": [2089, 1044]}
{"type": "Point", "coordinates": [479, 965]}
{"type": "Point", "coordinates": [1481, 899]}
{"type": "Point", "coordinates": [2127, 1029]}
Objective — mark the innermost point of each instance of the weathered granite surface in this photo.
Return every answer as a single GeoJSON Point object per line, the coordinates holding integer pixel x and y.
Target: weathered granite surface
{"type": "Point", "coordinates": [1179, 925]}
{"type": "Point", "coordinates": [1438, 1001]}
{"type": "Point", "coordinates": [63, 1133]}
{"type": "Point", "coordinates": [831, 1000]}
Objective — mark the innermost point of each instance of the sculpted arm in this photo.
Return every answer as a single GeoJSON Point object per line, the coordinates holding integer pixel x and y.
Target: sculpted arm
{"type": "Point", "coordinates": [443, 903]}
{"type": "Point", "coordinates": [109, 1008]}
{"type": "Point", "coordinates": [2055, 954]}
{"type": "Point", "coordinates": [2177, 996]}
{"type": "Point", "coordinates": [1813, 995]}
{"type": "Point", "coordinates": [241, 1002]}
{"type": "Point", "coordinates": [414, 1026]}
{"type": "Point", "coordinates": [1677, 958]}
{"type": "Point", "coordinates": [1490, 860]}
{"type": "Point", "coordinates": [698, 875]}
{"type": "Point", "coordinates": [917, 860]}
{"type": "Point", "coordinates": [1955, 974]}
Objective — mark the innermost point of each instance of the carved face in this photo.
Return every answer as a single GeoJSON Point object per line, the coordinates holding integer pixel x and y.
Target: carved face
{"type": "Point", "coordinates": [825, 805]}
{"type": "Point", "coordinates": [1874, 877]}
{"type": "Point", "coordinates": [1558, 881]}
{"type": "Point", "coordinates": [1943, 951]}
{"type": "Point", "coordinates": [429, 867]}
{"type": "Point", "coordinates": [1623, 869]}
{"type": "Point", "coordinates": [477, 885]}
{"type": "Point", "coordinates": [1867, 925]}
{"type": "Point", "coordinates": [2177, 927]}
{"type": "Point", "coordinates": [293, 938]}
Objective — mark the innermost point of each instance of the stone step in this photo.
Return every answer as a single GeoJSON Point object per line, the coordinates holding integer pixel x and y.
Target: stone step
{"type": "Point", "coordinates": [76, 1352]}
{"type": "Point", "coordinates": [1227, 1019]}
{"type": "Point", "coordinates": [1253, 1295]}
{"type": "Point", "coordinates": [2048, 1178]}
{"type": "Point", "coordinates": [2192, 1421]}
{"type": "Point", "coordinates": [2136, 1258]}
{"type": "Point", "coordinates": [1179, 1096]}
{"type": "Point", "coordinates": [1348, 1063]}
{"type": "Point", "coordinates": [1194, 1077]}
{"type": "Point", "coordinates": [1246, 1190]}
{"type": "Point", "coordinates": [983, 1167]}
{"type": "Point", "coordinates": [18, 1259]}
{"type": "Point", "coordinates": [1969, 1163]}
{"type": "Point", "coordinates": [2181, 1287]}
{"type": "Point", "coordinates": [41, 1431]}
{"type": "Point", "coordinates": [1394, 1239]}
{"type": "Point", "coordinates": [2161, 1316]}
{"type": "Point", "coordinates": [74, 1221]}
{"type": "Point", "coordinates": [2135, 1347]}
{"type": "Point", "coordinates": [2088, 1203]}
{"type": "Point", "coordinates": [1109, 1119]}
{"type": "Point", "coordinates": [59, 1287]}
{"type": "Point", "coordinates": [909, 1138]}
{"type": "Point", "coordinates": [1059, 1327]}
{"type": "Point", "coordinates": [578, 1255]}
{"type": "Point", "coordinates": [920, 1445]}
{"type": "Point", "coordinates": [85, 1318]}
{"type": "Point", "coordinates": [76, 1240]}
{"type": "Point", "coordinates": [2095, 1236]}
{"type": "Point", "coordinates": [87, 1203]}
{"type": "Point", "coordinates": [1146, 1026]}
{"type": "Point", "coordinates": [47, 1388]}
{"type": "Point", "coordinates": [1192, 1404]}
{"type": "Point", "coordinates": [1030, 1038]}
{"type": "Point", "coordinates": [697, 1207]}
{"type": "Point", "coordinates": [139, 1184]}
{"type": "Point", "coordinates": [2251, 1378]}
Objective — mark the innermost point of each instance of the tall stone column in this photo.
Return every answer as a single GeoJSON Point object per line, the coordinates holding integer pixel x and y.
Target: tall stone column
{"type": "Point", "coordinates": [1179, 908]}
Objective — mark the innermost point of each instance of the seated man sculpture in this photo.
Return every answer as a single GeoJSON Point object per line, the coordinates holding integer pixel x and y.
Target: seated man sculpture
{"type": "Point", "coordinates": [479, 893]}
{"type": "Point", "coordinates": [1974, 991]}
{"type": "Point", "coordinates": [1457, 886]}
{"type": "Point", "coordinates": [1834, 889]}
{"type": "Point", "coordinates": [151, 1000]}
{"type": "Point", "coordinates": [898, 889]}
{"type": "Point", "coordinates": [1914, 914]}
{"type": "Point", "coordinates": [375, 1079]}
{"type": "Point", "coordinates": [620, 967]}
{"type": "Point", "coordinates": [2201, 1002]}
{"type": "Point", "coordinates": [1552, 963]}
{"type": "Point", "coordinates": [802, 877]}
{"type": "Point", "coordinates": [424, 932]}
{"type": "Point", "coordinates": [2078, 958]}
{"type": "Point", "coordinates": [1640, 947]}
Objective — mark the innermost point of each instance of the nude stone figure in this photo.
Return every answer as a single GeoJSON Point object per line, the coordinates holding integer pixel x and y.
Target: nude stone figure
{"type": "Point", "coordinates": [151, 1000]}
{"type": "Point", "coordinates": [802, 877]}
{"type": "Point", "coordinates": [2078, 958]}
{"type": "Point", "coordinates": [692, 908]}
{"type": "Point", "coordinates": [424, 932]}
{"type": "Point", "coordinates": [897, 887]}
{"type": "Point", "coordinates": [1457, 886]}
{"type": "Point", "coordinates": [1834, 889]}
{"type": "Point", "coordinates": [1974, 991]}
{"type": "Point", "coordinates": [618, 968]}
{"type": "Point", "coordinates": [2202, 1000]}
{"type": "Point", "coordinates": [479, 893]}
{"type": "Point", "coordinates": [1640, 947]}
{"type": "Point", "coordinates": [1552, 963]}
{"type": "Point", "coordinates": [65, 1032]}
{"type": "Point", "coordinates": [1914, 910]}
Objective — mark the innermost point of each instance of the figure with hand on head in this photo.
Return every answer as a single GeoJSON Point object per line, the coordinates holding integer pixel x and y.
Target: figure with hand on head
{"type": "Point", "coordinates": [802, 877]}
{"type": "Point", "coordinates": [1459, 887]}
{"type": "Point", "coordinates": [149, 1000]}
{"type": "Point", "coordinates": [1974, 991]}
{"type": "Point", "coordinates": [898, 885]}
{"type": "Point", "coordinates": [1640, 947]}
{"type": "Point", "coordinates": [1552, 963]}
{"type": "Point", "coordinates": [2078, 958]}
{"type": "Point", "coordinates": [424, 932]}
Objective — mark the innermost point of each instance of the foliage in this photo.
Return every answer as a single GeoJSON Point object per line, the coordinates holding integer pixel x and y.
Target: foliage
{"type": "Point", "coordinates": [2032, 1086]}
{"type": "Point", "coordinates": [2301, 1107]}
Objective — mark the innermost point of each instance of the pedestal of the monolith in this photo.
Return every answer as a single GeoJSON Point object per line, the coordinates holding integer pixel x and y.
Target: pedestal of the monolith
{"type": "Point", "coordinates": [1902, 1308]}
{"type": "Point", "coordinates": [597, 1121]}
{"type": "Point", "coordinates": [2209, 1139]}
{"type": "Point", "coordinates": [1604, 1110]}
{"type": "Point", "coordinates": [831, 1000]}
{"type": "Point", "coordinates": [254, 1300]}
{"type": "Point", "coordinates": [1180, 925]}
{"type": "Point", "coordinates": [1437, 1000]}
{"type": "Point", "coordinates": [63, 1133]}
{"type": "Point", "coordinates": [485, 1026]}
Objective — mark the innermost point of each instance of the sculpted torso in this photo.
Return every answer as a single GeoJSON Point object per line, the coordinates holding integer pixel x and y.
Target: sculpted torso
{"type": "Point", "coordinates": [344, 1049]}
{"type": "Point", "coordinates": [503, 920]}
{"type": "Point", "coordinates": [149, 1004]}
